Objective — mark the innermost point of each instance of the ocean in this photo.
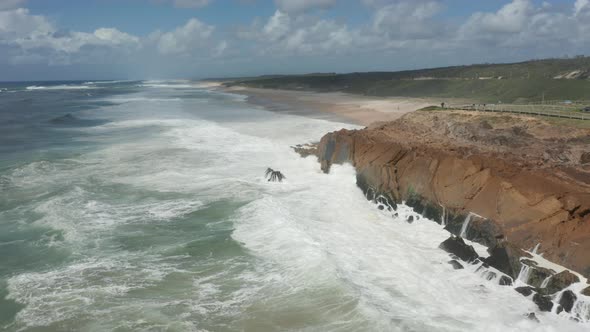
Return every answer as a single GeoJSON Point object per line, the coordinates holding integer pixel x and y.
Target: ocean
{"type": "Point", "coordinates": [143, 206]}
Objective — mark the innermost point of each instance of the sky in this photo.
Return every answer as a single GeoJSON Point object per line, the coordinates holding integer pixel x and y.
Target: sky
{"type": "Point", "coordinates": [151, 39]}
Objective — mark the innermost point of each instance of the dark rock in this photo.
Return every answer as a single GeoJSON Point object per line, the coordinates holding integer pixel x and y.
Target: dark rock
{"type": "Point", "coordinates": [362, 183]}
{"type": "Point", "coordinates": [458, 247]}
{"type": "Point", "coordinates": [586, 291]}
{"type": "Point", "coordinates": [306, 150]}
{"type": "Point", "coordinates": [533, 317]}
{"type": "Point", "coordinates": [560, 281]}
{"type": "Point", "coordinates": [480, 260]}
{"type": "Point", "coordinates": [481, 230]}
{"type": "Point", "coordinates": [543, 302]}
{"type": "Point", "coordinates": [506, 258]}
{"type": "Point", "coordinates": [454, 222]}
{"type": "Point", "coordinates": [484, 231]}
{"type": "Point", "coordinates": [410, 219]}
{"type": "Point", "coordinates": [456, 265]}
{"type": "Point", "coordinates": [383, 200]}
{"type": "Point", "coordinates": [386, 200]}
{"type": "Point", "coordinates": [423, 207]}
{"type": "Point", "coordinates": [415, 202]}
{"type": "Point", "coordinates": [585, 158]}
{"type": "Point", "coordinates": [537, 275]}
{"type": "Point", "coordinates": [525, 290]}
{"type": "Point", "coordinates": [567, 300]}
{"type": "Point", "coordinates": [490, 275]}
{"type": "Point", "coordinates": [505, 281]}
{"type": "Point", "coordinates": [433, 212]}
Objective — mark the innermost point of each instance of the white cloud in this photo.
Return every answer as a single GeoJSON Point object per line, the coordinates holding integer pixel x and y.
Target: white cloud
{"type": "Point", "coordinates": [581, 6]}
{"type": "Point", "coordinates": [27, 38]}
{"type": "Point", "coordinates": [32, 38]}
{"type": "Point", "coordinates": [408, 20]}
{"type": "Point", "coordinates": [193, 35]}
{"type": "Point", "coordinates": [277, 27]}
{"type": "Point", "coordinates": [511, 18]}
{"type": "Point", "coordinates": [114, 36]}
{"type": "Point", "coordinates": [19, 23]}
{"type": "Point", "coordinates": [220, 48]}
{"type": "Point", "coordinates": [300, 6]}
{"type": "Point", "coordinates": [396, 32]}
{"type": "Point", "coordinates": [521, 25]}
{"type": "Point", "coordinates": [283, 34]}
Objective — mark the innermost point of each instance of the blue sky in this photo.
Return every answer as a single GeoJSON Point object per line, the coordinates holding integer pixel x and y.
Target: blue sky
{"type": "Point", "coordinates": [137, 39]}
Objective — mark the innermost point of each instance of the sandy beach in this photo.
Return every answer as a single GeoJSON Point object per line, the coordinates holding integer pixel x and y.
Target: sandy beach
{"type": "Point", "coordinates": [356, 109]}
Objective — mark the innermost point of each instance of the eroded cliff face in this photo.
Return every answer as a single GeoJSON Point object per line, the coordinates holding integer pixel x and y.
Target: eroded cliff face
{"type": "Point", "coordinates": [526, 181]}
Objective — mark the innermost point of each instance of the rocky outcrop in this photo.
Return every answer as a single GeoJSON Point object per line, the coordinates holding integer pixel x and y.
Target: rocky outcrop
{"type": "Point", "coordinates": [523, 184]}
{"type": "Point", "coordinates": [537, 276]}
{"type": "Point", "coordinates": [458, 247]}
{"type": "Point", "coordinates": [560, 281]}
{"type": "Point", "coordinates": [456, 265]}
{"type": "Point", "coordinates": [525, 290]}
{"type": "Point", "coordinates": [543, 302]}
{"type": "Point", "coordinates": [567, 300]}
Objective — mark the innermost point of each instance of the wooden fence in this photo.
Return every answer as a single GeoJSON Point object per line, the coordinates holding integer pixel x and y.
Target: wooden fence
{"type": "Point", "coordinates": [567, 111]}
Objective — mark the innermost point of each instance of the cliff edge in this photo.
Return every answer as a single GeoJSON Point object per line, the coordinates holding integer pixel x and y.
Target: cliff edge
{"type": "Point", "coordinates": [524, 180]}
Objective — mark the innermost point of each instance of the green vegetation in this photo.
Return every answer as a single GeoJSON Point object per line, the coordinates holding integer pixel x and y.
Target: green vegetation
{"type": "Point", "coordinates": [433, 108]}
{"type": "Point", "coordinates": [531, 81]}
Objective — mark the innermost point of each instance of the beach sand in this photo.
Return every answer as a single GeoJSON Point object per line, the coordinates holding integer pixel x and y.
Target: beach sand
{"type": "Point", "coordinates": [356, 109]}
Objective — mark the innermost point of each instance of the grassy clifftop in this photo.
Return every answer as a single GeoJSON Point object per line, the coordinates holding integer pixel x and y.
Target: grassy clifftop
{"type": "Point", "coordinates": [530, 81]}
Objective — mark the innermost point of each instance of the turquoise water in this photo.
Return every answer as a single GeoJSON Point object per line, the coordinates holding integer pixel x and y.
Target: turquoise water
{"type": "Point", "coordinates": [147, 210]}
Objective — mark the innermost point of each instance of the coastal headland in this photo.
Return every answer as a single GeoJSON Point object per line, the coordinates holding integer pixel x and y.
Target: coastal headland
{"type": "Point", "coordinates": [516, 184]}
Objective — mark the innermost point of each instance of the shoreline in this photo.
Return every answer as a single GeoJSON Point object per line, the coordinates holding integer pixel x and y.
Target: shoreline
{"type": "Point", "coordinates": [334, 106]}
{"type": "Point", "coordinates": [498, 180]}
{"type": "Point", "coordinates": [394, 165]}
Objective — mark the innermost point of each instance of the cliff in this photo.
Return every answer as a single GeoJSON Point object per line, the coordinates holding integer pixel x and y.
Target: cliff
{"type": "Point", "coordinates": [515, 181]}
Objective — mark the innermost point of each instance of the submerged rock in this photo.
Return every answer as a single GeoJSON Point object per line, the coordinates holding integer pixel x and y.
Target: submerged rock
{"type": "Point", "coordinates": [456, 265]}
{"type": "Point", "coordinates": [543, 302]}
{"type": "Point", "coordinates": [505, 281]}
{"type": "Point", "coordinates": [533, 317]}
{"type": "Point", "coordinates": [490, 275]}
{"type": "Point", "coordinates": [525, 290]}
{"type": "Point", "coordinates": [458, 247]}
{"type": "Point", "coordinates": [560, 281]}
{"type": "Point", "coordinates": [567, 300]}
{"type": "Point", "coordinates": [274, 176]}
